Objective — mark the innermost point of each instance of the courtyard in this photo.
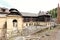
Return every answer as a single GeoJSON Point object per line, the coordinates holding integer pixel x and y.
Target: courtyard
{"type": "Point", "coordinates": [46, 34]}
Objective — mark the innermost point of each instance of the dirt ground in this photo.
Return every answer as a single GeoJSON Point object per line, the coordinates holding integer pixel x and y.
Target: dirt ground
{"type": "Point", "coordinates": [52, 34]}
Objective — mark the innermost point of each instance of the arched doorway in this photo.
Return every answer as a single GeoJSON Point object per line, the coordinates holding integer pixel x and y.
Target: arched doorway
{"type": "Point", "coordinates": [15, 26]}
{"type": "Point", "coordinates": [14, 23]}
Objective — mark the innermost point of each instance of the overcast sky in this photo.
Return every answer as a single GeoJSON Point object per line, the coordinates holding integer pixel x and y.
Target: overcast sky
{"type": "Point", "coordinates": [33, 6]}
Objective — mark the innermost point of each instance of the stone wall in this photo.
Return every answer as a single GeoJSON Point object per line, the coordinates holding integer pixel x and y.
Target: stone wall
{"type": "Point", "coordinates": [2, 28]}
{"type": "Point", "coordinates": [10, 28]}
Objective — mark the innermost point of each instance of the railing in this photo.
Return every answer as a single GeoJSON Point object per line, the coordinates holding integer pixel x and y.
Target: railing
{"type": "Point", "coordinates": [37, 24]}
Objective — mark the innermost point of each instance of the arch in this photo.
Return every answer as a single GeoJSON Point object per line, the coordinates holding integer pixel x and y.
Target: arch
{"type": "Point", "coordinates": [14, 23]}
{"type": "Point", "coordinates": [14, 20]}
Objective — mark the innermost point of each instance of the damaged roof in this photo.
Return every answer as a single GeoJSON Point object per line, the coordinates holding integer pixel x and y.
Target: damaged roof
{"type": "Point", "coordinates": [7, 11]}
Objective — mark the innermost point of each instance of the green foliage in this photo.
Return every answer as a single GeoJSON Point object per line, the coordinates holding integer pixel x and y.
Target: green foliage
{"type": "Point", "coordinates": [53, 12]}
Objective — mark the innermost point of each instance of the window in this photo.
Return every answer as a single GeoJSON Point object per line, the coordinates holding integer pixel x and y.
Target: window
{"type": "Point", "coordinates": [14, 23]}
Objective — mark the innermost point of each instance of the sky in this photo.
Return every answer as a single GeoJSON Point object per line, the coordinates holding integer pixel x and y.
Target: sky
{"type": "Point", "coordinates": [32, 6]}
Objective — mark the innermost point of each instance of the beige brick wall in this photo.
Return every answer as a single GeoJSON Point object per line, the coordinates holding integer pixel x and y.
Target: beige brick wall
{"type": "Point", "coordinates": [10, 22]}
{"type": "Point", "coordinates": [2, 22]}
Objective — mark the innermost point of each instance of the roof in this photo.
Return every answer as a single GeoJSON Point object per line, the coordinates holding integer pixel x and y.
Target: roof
{"type": "Point", "coordinates": [22, 13]}
{"type": "Point", "coordinates": [43, 13]}
{"type": "Point", "coordinates": [29, 14]}
{"type": "Point", "coordinates": [4, 10]}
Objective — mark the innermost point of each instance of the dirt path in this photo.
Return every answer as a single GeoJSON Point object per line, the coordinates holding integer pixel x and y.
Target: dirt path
{"type": "Point", "coordinates": [57, 35]}
{"type": "Point", "coordinates": [53, 34]}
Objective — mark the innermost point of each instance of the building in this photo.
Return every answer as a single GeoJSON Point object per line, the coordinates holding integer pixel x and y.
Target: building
{"type": "Point", "coordinates": [12, 20]}
{"type": "Point", "coordinates": [58, 14]}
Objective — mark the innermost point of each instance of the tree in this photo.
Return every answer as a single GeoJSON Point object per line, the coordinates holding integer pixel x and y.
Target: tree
{"type": "Point", "coordinates": [53, 12]}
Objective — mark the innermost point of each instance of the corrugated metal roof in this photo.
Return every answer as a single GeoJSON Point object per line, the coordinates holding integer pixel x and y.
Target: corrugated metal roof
{"type": "Point", "coordinates": [28, 14]}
